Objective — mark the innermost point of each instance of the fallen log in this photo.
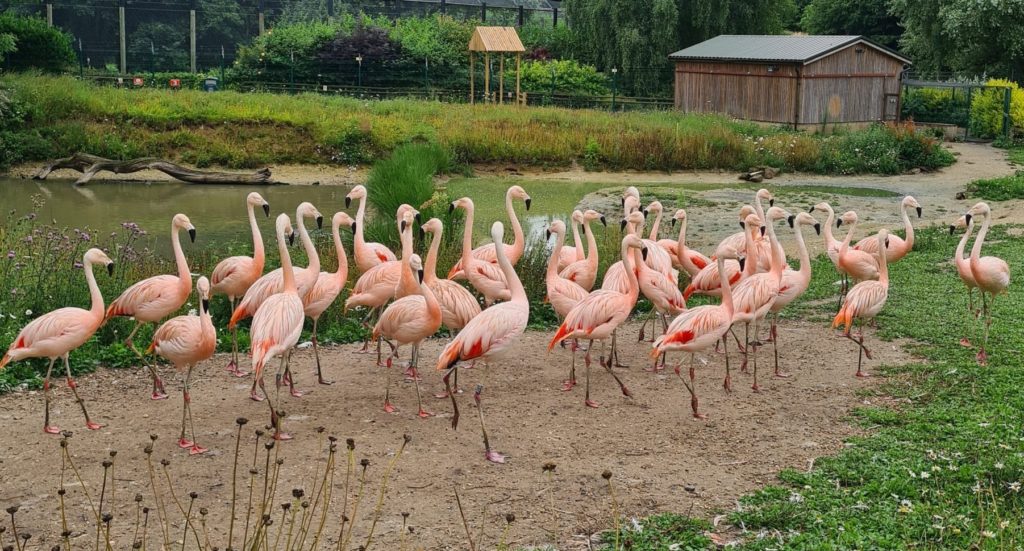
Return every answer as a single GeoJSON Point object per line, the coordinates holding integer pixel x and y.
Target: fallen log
{"type": "Point", "coordinates": [90, 165]}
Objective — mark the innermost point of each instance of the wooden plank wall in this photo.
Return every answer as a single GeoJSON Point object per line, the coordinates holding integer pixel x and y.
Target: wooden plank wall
{"type": "Point", "coordinates": [848, 86]}
{"type": "Point", "coordinates": [742, 90]}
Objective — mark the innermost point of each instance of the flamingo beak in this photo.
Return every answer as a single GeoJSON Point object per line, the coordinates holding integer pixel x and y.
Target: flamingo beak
{"type": "Point", "coordinates": [528, 203]}
{"type": "Point", "coordinates": [192, 234]}
{"type": "Point", "coordinates": [291, 239]}
{"type": "Point", "coordinates": [110, 269]}
{"type": "Point", "coordinates": [763, 228]}
{"type": "Point", "coordinates": [584, 226]}
{"type": "Point", "coordinates": [319, 221]}
{"type": "Point", "coordinates": [839, 222]}
{"type": "Point", "coordinates": [451, 208]}
{"type": "Point", "coordinates": [790, 220]}
{"type": "Point", "coordinates": [673, 222]}
{"type": "Point", "coordinates": [206, 305]}
{"type": "Point", "coordinates": [353, 227]}
{"type": "Point", "coordinates": [886, 242]}
{"type": "Point", "coordinates": [348, 201]}
{"type": "Point", "coordinates": [622, 224]}
{"type": "Point", "coordinates": [644, 211]}
{"type": "Point", "coordinates": [643, 252]}
{"type": "Point", "coordinates": [419, 275]}
{"type": "Point", "coordinates": [743, 262]}
{"type": "Point", "coordinates": [604, 222]}
{"type": "Point", "coordinates": [817, 228]}
{"type": "Point", "coordinates": [547, 235]}
{"type": "Point", "coordinates": [743, 224]}
{"type": "Point", "coordinates": [952, 229]}
{"type": "Point", "coordinates": [810, 209]}
{"type": "Point", "coordinates": [622, 202]}
{"type": "Point", "coordinates": [402, 227]}
{"type": "Point", "coordinates": [771, 202]}
{"type": "Point", "coordinates": [419, 218]}
{"type": "Point", "coordinates": [967, 218]}
{"type": "Point", "coordinates": [919, 211]}
{"type": "Point", "coordinates": [266, 209]}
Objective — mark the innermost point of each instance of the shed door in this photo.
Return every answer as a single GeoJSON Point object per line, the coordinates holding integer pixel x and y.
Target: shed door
{"type": "Point", "coordinates": [891, 107]}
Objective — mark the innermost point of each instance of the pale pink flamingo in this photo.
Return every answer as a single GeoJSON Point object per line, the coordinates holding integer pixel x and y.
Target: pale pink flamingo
{"type": "Point", "coordinates": [963, 268]}
{"type": "Point", "coordinates": [859, 265]}
{"type": "Point", "coordinates": [576, 253]}
{"type": "Point", "coordinates": [700, 328]}
{"type": "Point", "coordinates": [155, 298]}
{"type": "Point", "coordinates": [898, 247]}
{"type": "Point", "coordinates": [615, 278]}
{"type": "Point", "coordinates": [458, 305]}
{"type": "Point", "coordinates": [598, 316]}
{"type": "Point", "coordinates": [55, 334]}
{"type": "Point", "coordinates": [234, 275]}
{"type": "Point", "coordinates": [514, 251]}
{"type": "Point", "coordinates": [656, 258]}
{"type": "Point", "coordinates": [738, 241]}
{"type": "Point", "coordinates": [661, 291]}
{"type": "Point", "coordinates": [185, 341]}
{"type": "Point", "coordinates": [794, 282]}
{"type": "Point", "coordinates": [864, 301]}
{"type": "Point", "coordinates": [831, 243]}
{"type": "Point", "coordinates": [488, 279]}
{"type": "Point", "coordinates": [685, 259]}
{"type": "Point", "coordinates": [367, 255]}
{"type": "Point", "coordinates": [488, 337]}
{"type": "Point", "coordinates": [584, 272]}
{"type": "Point", "coordinates": [562, 293]}
{"type": "Point", "coordinates": [991, 273]}
{"type": "Point", "coordinates": [409, 320]}
{"type": "Point", "coordinates": [328, 286]}
{"type": "Point", "coordinates": [708, 280]}
{"type": "Point", "coordinates": [630, 192]}
{"type": "Point", "coordinates": [277, 325]}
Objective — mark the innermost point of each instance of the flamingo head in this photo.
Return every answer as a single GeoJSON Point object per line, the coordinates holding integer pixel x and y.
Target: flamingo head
{"type": "Point", "coordinates": [633, 241]}
{"type": "Point", "coordinates": [765, 195]}
{"type": "Point", "coordinates": [181, 222]}
{"type": "Point", "coordinates": [774, 214]}
{"type": "Point", "coordinates": [498, 234]}
{"type": "Point", "coordinates": [517, 192]}
{"type": "Point", "coordinates": [630, 203]}
{"type": "Point", "coordinates": [805, 219]}
{"type": "Point", "coordinates": [433, 226]}
{"type": "Point", "coordinates": [307, 210]}
{"type": "Point", "coordinates": [283, 225]}
{"type": "Point", "coordinates": [909, 201]}
{"type": "Point", "coordinates": [961, 223]}
{"type": "Point", "coordinates": [655, 207]}
{"type": "Point", "coordinates": [96, 256]}
{"type": "Point", "coordinates": [342, 219]}
{"type": "Point", "coordinates": [203, 290]}
{"type": "Point", "coordinates": [636, 220]}
{"type": "Point", "coordinates": [256, 200]}
{"type": "Point", "coordinates": [577, 216]}
{"type": "Point", "coordinates": [416, 263]}
{"type": "Point", "coordinates": [679, 216]}
{"type": "Point", "coordinates": [745, 211]}
{"type": "Point", "coordinates": [631, 191]}
{"type": "Point", "coordinates": [358, 192]}
{"type": "Point", "coordinates": [557, 227]}
{"type": "Point", "coordinates": [591, 215]}
{"type": "Point", "coordinates": [461, 203]}
{"type": "Point", "coordinates": [848, 217]}
{"type": "Point", "coordinates": [981, 209]}
{"type": "Point", "coordinates": [754, 226]}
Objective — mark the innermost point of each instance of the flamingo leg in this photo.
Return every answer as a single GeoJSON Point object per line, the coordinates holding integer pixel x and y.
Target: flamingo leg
{"type": "Point", "coordinates": [275, 419]}
{"type": "Point", "coordinates": [489, 454]}
{"type": "Point", "coordinates": [569, 383]}
{"type": "Point", "coordinates": [861, 352]}
{"type": "Point", "coordinates": [622, 387]}
{"type": "Point", "coordinates": [233, 364]}
{"type": "Point", "coordinates": [754, 345]}
{"type": "Point", "coordinates": [388, 408]}
{"type": "Point", "coordinates": [648, 319]}
{"type": "Point", "coordinates": [74, 388]}
{"type": "Point", "coordinates": [183, 442]}
{"type": "Point", "coordinates": [727, 384]}
{"type": "Point", "coordinates": [47, 428]}
{"type": "Point", "coordinates": [739, 345]}
{"type": "Point", "coordinates": [966, 341]}
{"type": "Point", "coordinates": [986, 308]}
{"type": "Point", "coordinates": [316, 353]}
{"type": "Point", "coordinates": [745, 347]}
{"type": "Point", "coordinates": [416, 378]}
{"type": "Point", "coordinates": [158, 386]}
{"type": "Point", "coordinates": [586, 396]}
{"type": "Point", "coordinates": [690, 386]}
{"type": "Point", "coordinates": [615, 351]}
{"type": "Point", "coordinates": [775, 346]}
{"type": "Point", "coordinates": [448, 388]}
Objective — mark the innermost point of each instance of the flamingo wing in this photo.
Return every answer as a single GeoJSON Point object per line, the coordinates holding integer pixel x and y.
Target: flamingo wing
{"type": "Point", "coordinates": [486, 335]}
{"type": "Point", "coordinates": [275, 328]}
{"type": "Point", "coordinates": [150, 299]}
{"type": "Point", "coordinates": [58, 331]}
{"type": "Point", "coordinates": [458, 305]}
{"type": "Point", "coordinates": [322, 295]}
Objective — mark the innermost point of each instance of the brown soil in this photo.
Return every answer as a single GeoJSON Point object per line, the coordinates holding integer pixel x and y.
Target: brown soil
{"type": "Point", "coordinates": [661, 458]}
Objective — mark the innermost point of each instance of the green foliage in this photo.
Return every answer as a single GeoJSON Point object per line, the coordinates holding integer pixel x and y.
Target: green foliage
{"type": "Point", "coordinates": [273, 56]}
{"type": "Point", "coordinates": [439, 38]}
{"type": "Point", "coordinates": [662, 531]}
{"type": "Point", "coordinates": [40, 46]}
{"type": "Point", "coordinates": [700, 20]}
{"type": "Point", "coordinates": [870, 18]}
{"type": "Point", "coordinates": [544, 41]}
{"type": "Point", "coordinates": [946, 105]}
{"type": "Point", "coordinates": [8, 44]}
{"type": "Point", "coordinates": [989, 105]}
{"type": "Point", "coordinates": [568, 76]}
{"type": "Point", "coordinates": [157, 44]}
{"type": "Point", "coordinates": [998, 189]}
{"type": "Point", "coordinates": [882, 149]}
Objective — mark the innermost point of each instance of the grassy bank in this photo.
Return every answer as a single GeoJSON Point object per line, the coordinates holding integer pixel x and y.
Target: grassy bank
{"type": "Point", "coordinates": [46, 117]}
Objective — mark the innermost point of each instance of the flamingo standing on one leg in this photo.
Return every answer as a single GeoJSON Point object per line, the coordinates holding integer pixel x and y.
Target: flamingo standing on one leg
{"type": "Point", "coordinates": [991, 273]}
{"type": "Point", "coordinates": [597, 316]}
{"type": "Point", "coordinates": [683, 258]}
{"type": "Point", "coordinates": [277, 325]}
{"type": "Point", "coordinates": [514, 251]}
{"type": "Point", "coordinates": [584, 272]}
{"type": "Point", "coordinates": [458, 305]}
{"type": "Point", "coordinates": [366, 255]}
{"type": "Point", "coordinates": [898, 247]}
{"type": "Point", "coordinates": [485, 277]}
{"type": "Point", "coordinates": [234, 275]}
{"type": "Point", "coordinates": [563, 294]}
{"type": "Point", "coordinates": [409, 320]}
{"type": "Point", "coordinates": [487, 337]}
{"type": "Point", "coordinates": [155, 298]}
{"type": "Point", "coordinates": [864, 301]}
{"type": "Point", "coordinates": [794, 282]}
{"type": "Point", "coordinates": [55, 334]}
{"type": "Point", "coordinates": [186, 341]}
{"type": "Point", "coordinates": [963, 268]}
{"type": "Point", "coordinates": [328, 286]}
{"type": "Point", "coordinates": [576, 253]}
{"type": "Point", "coordinates": [697, 329]}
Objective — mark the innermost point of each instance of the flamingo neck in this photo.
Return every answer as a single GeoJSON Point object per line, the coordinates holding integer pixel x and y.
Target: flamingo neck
{"type": "Point", "coordinates": [628, 264]}
{"type": "Point", "coordinates": [778, 258]}
{"type": "Point", "coordinates": [655, 226]}
{"type": "Point", "coordinates": [287, 272]}
{"type": "Point", "coordinates": [759, 208]}
{"type": "Point", "coordinates": [577, 242]}
{"type": "Point", "coordinates": [339, 249]}
{"type": "Point", "coordinates": [846, 241]}
{"type": "Point", "coordinates": [805, 259]}
{"type": "Point", "coordinates": [829, 237]}
{"type": "Point", "coordinates": [552, 270]}
{"type": "Point", "coordinates": [976, 250]}
{"type": "Point", "coordinates": [307, 244]}
{"type": "Point", "coordinates": [433, 307]}
{"type": "Point", "coordinates": [467, 240]}
{"type": "Point", "coordinates": [749, 242]}
{"type": "Point", "coordinates": [883, 263]}
{"type": "Point", "coordinates": [726, 286]}
{"type": "Point", "coordinates": [514, 285]}
{"type": "Point", "coordinates": [519, 240]}
{"type": "Point", "coordinates": [408, 278]}
{"type": "Point", "coordinates": [681, 243]}
{"type": "Point", "coordinates": [259, 255]}
{"type": "Point", "coordinates": [96, 298]}
{"type": "Point", "coordinates": [184, 276]}
{"type": "Point", "coordinates": [430, 267]}
{"type": "Point", "coordinates": [909, 228]}
{"type": "Point", "coordinates": [963, 243]}
{"type": "Point", "coordinates": [358, 242]}
{"type": "Point", "coordinates": [592, 256]}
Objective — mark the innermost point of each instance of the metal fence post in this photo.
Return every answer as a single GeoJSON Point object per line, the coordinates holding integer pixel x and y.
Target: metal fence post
{"type": "Point", "coordinates": [49, 13]}
{"type": "Point", "coordinates": [121, 36]}
{"type": "Point", "coordinates": [192, 36]}
{"type": "Point", "coordinates": [554, 17]}
{"type": "Point", "coordinates": [522, 14]}
{"type": "Point", "coordinates": [483, 12]}
{"type": "Point", "coordinates": [259, 16]}
{"type": "Point", "coordinates": [330, 10]}
{"type": "Point", "coordinates": [444, 7]}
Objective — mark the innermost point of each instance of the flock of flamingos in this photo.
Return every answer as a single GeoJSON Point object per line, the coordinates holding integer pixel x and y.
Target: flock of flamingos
{"type": "Point", "coordinates": [410, 303]}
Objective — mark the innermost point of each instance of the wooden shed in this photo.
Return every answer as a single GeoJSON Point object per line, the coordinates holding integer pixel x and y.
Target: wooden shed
{"type": "Point", "coordinates": [803, 81]}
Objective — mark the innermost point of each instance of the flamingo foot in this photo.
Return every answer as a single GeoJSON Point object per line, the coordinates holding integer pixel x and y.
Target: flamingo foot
{"type": "Point", "coordinates": [185, 443]}
{"type": "Point", "coordinates": [423, 414]}
{"type": "Point", "coordinates": [50, 429]}
{"type": "Point", "coordinates": [626, 392]}
{"type": "Point", "coordinates": [727, 384]}
{"type": "Point", "coordinates": [701, 416]}
{"type": "Point", "coordinates": [743, 366]}
{"type": "Point", "coordinates": [158, 395]}
{"type": "Point", "coordinates": [282, 436]}
{"type": "Point", "coordinates": [232, 367]}
{"type": "Point", "coordinates": [388, 408]}
{"type": "Point", "coordinates": [295, 393]}
{"type": "Point", "coordinates": [239, 373]}
{"type": "Point", "coordinates": [323, 381]}
{"type": "Point", "coordinates": [568, 384]}
{"type": "Point", "coordinates": [755, 387]}
{"type": "Point", "coordinates": [494, 457]}
{"type": "Point", "coordinates": [591, 404]}
{"type": "Point", "coordinates": [863, 374]}
{"type": "Point", "coordinates": [982, 357]}
{"type": "Point", "coordinates": [782, 375]}
{"type": "Point", "coordinates": [655, 368]}
{"type": "Point", "coordinates": [92, 425]}
{"type": "Point", "coordinates": [255, 397]}
{"type": "Point", "coordinates": [966, 343]}
{"type": "Point", "coordinates": [444, 394]}
{"type": "Point", "coordinates": [197, 449]}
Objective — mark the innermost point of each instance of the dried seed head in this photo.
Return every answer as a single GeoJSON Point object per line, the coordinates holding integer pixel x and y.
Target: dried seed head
{"type": "Point", "coordinates": [297, 493]}
{"type": "Point", "coordinates": [269, 445]}
{"type": "Point", "coordinates": [510, 518]}
{"type": "Point", "coordinates": [405, 514]}
{"type": "Point", "coordinates": [137, 545]}
{"type": "Point", "coordinates": [148, 450]}
{"type": "Point", "coordinates": [411, 530]}
{"type": "Point", "coordinates": [145, 510]}
{"type": "Point", "coordinates": [344, 518]}
{"type": "Point", "coordinates": [253, 472]}
{"type": "Point", "coordinates": [549, 467]}
{"type": "Point", "coordinates": [107, 517]}
{"type": "Point", "coordinates": [266, 519]}
{"type": "Point", "coordinates": [60, 492]}
{"type": "Point", "coordinates": [268, 522]}
{"type": "Point", "coordinates": [332, 438]}
{"type": "Point", "coordinates": [259, 433]}
{"type": "Point", "coordinates": [26, 536]}
{"type": "Point", "coordinates": [204, 511]}
{"type": "Point", "coordinates": [106, 464]}
{"type": "Point", "coordinates": [320, 430]}
{"type": "Point", "coordinates": [63, 443]}
{"type": "Point", "coordinates": [66, 433]}
{"type": "Point", "coordinates": [8, 548]}
{"type": "Point", "coordinates": [165, 462]}
{"type": "Point", "coordinates": [334, 447]}
{"type": "Point", "coordinates": [280, 461]}
{"type": "Point", "coordinates": [607, 475]}
{"type": "Point", "coordinates": [407, 438]}
{"type": "Point", "coordinates": [65, 534]}
{"type": "Point", "coordinates": [12, 509]}
{"type": "Point", "coordinates": [351, 443]}
{"type": "Point", "coordinates": [241, 421]}
{"type": "Point", "coordinates": [305, 504]}
{"type": "Point", "coordinates": [113, 454]}
{"type": "Point", "coordinates": [153, 436]}
{"type": "Point", "coordinates": [138, 498]}
{"type": "Point", "coordinates": [364, 463]}
{"type": "Point", "coordinates": [193, 495]}
{"type": "Point", "coordinates": [55, 548]}
{"type": "Point", "coordinates": [286, 505]}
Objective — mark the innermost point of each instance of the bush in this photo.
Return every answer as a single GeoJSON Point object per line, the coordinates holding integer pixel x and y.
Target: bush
{"type": "Point", "coordinates": [570, 77]}
{"type": "Point", "coordinates": [987, 108]}
{"type": "Point", "coordinates": [882, 149]}
{"type": "Point", "coordinates": [936, 105]}
{"type": "Point", "coordinates": [999, 189]}
{"type": "Point", "coordinates": [39, 46]}
{"type": "Point", "coordinates": [8, 44]}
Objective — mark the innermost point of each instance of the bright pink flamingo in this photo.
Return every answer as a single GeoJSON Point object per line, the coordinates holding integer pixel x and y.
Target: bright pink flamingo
{"type": "Point", "coordinates": [597, 316]}
{"type": "Point", "coordinates": [859, 265]}
{"type": "Point", "coordinates": [991, 273]}
{"type": "Point", "coordinates": [864, 301]}
{"type": "Point", "coordinates": [576, 253]}
{"type": "Point", "coordinates": [662, 292]}
{"type": "Point", "coordinates": [155, 298]}
{"type": "Point", "coordinates": [328, 286]}
{"type": "Point", "coordinates": [657, 257]}
{"type": "Point", "coordinates": [458, 305]}
{"type": "Point", "coordinates": [685, 259]}
{"type": "Point", "coordinates": [698, 329]}
{"type": "Point", "coordinates": [488, 337]}
{"type": "Point", "coordinates": [514, 251]}
{"type": "Point", "coordinates": [616, 279]}
{"type": "Point", "coordinates": [185, 341]}
{"type": "Point", "coordinates": [794, 282]}
{"type": "Point", "coordinates": [562, 293]}
{"type": "Point", "coordinates": [55, 334]}
{"type": "Point", "coordinates": [409, 320]}
{"type": "Point", "coordinates": [277, 325]}
{"type": "Point", "coordinates": [738, 240]}
{"type": "Point", "coordinates": [367, 255]}
{"type": "Point", "coordinates": [234, 275]}
{"type": "Point", "coordinates": [898, 247]}
{"type": "Point", "coordinates": [584, 272]}
{"type": "Point", "coordinates": [963, 268]}
{"type": "Point", "coordinates": [487, 278]}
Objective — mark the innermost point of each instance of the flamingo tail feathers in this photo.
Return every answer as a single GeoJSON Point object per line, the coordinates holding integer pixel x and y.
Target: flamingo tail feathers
{"type": "Point", "coordinates": [563, 330]}
{"type": "Point", "coordinates": [450, 355]}
{"type": "Point", "coordinates": [689, 291]}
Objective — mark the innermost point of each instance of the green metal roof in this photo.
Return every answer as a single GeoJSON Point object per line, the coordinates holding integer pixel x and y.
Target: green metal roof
{"type": "Point", "coordinates": [774, 48]}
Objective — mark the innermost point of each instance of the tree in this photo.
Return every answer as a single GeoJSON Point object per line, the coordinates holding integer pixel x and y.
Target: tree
{"type": "Point", "coordinates": [870, 18]}
{"type": "Point", "coordinates": [156, 46]}
{"type": "Point", "coordinates": [8, 44]}
{"type": "Point", "coordinates": [700, 20]}
{"type": "Point", "coordinates": [39, 46]}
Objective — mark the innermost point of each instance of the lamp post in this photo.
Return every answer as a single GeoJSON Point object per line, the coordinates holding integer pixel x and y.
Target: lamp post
{"type": "Point", "coordinates": [222, 66]}
{"type": "Point", "coordinates": [359, 70]}
{"type": "Point", "coordinates": [291, 74]}
{"type": "Point", "coordinates": [615, 85]}
{"type": "Point", "coordinates": [81, 60]}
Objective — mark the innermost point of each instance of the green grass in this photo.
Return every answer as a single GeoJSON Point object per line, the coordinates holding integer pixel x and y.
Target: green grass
{"type": "Point", "coordinates": [1016, 155]}
{"type": "Point", "coordinates": [999, 189]}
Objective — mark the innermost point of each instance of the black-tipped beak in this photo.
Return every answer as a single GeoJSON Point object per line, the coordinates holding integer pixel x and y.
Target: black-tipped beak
{"type": "Point", "coordinates": [291, 239]}
{"type": "Point", "coordinates": [419, 218]}
{"type": "Point", "coordinates": [790, 220]}
{"type": "Point", "coordinates": [673, 222]}
{"type": "Point", "coordinates": [348, 201]}
{"type": "Point", "coordinates": [967, 218]}
{"type": "Point", "coordinates": [839, 222]}
{"type": "Point", "coordinates": [743, 262]}
{"type": "Point", "coordinates": [353, 227]}
{"type": "Point", "coordinates": [919, 211]}
{"type": "Point", "coordinates": [886, 242]}
{"type": "Point", "coordinates": [952, 229]}
{"type": "Point", "coordinates": [266, 209]}
{"type": "Point", "coordinates": [622, 224]}
{"type": "Point", "coordinates": [771, 202]}
{"type": "Point", "coordinates": [422, 233]}
{"type": "Point", "coordinates": [547, 235]}
{"type": "Point", "coordinates": [110, 269]}
{"type": "Point", "coordinates": [622, 202]}
{"type": "Point", "coordinates": [451, 208]}
{"type": "Point", "coordinates": [401, 226]}
{"type": "Point", "coordinates": [206, 305]}
{"type": "Point", "coordinates": [584, 226]}
{"type": "Point", "coordinates": [643, 253]}
{"type": "Point", "coordinates": [192, 234]}
{"type": "Point", "coordinates": [604, 221]}
{"type": "Point", "coordinates": [810, 209]}
{"type": "Point", "coordinates": [528, 203]}
{"type": "Point", "coordinates": [817, 228]}
{"type": "Point", "coordinates": [644, 211]}
{"type": "Point", "coordinates": [763, 228]}
{"type": "Point", "coordinates": [319, 221]}
{"type": "Point", "coordinates": [419, 275]}
{"type": "Point", "coordinates": [743, 224]}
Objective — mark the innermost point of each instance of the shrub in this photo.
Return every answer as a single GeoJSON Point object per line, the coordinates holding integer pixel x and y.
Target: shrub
{"type": "Point", "coordinates": [8, 44]}
{"type": "Point", "coordinates": [882, 149]}
{"type": "Point", "coordinates": [987, 108]}
{"type": "Point", "coordinates": [39, 46]}
{"type": "Point", "coordinates": [407, 177]}
{"type": "Point", "coordinates": [936, 105]}
{"type": "Point", "coordinates": [570, 77]}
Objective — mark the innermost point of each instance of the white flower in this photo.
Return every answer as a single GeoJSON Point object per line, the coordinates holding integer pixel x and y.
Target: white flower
{"type": "Point", "coordinates": [1015, 486]}
{"type": "Point", "coordinates": [192, 312]}
{"type": "Point", "coordinates": [936, 468]}
{"type": "Point", "coordinates": [637, 527]}
{"type": "Point", "coordinates": [999, 465]}
{"type": "Point", "coordinates": [988, 534]}
{"type": "Point", "coordinates": [795, 497]}
{"type": "Point", "coordinates": [925, 474]}
{"type": "Point", "coordinates": [1004, 524]}
{"type": "Point", "coordinates": [983, 425]}
{"type": "Point", "coordinates": [28, 312]}
{"type": "Point", "coordinates": [673, 547]}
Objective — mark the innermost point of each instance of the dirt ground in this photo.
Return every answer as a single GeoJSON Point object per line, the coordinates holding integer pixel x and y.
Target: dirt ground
{"type": "Point", "coordinates": [662, 459]}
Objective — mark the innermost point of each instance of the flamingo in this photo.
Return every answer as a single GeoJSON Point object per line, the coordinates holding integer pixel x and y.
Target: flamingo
{"type": "Point", "coordinates": [738, 242]}
{"type": "Point", "coordinates": [831, 243]}
{"type": "Point", "coordinates": [658, 258]}
{"type": "Point", "coordinates": [328, 286]}
{"type": "Point", "coordinates": [663, 293]}
{"type": "Point", "coordinates": [708, 280]}
{"type": "Point", "coordinates": [563, 294]}
{"type": "Point", "coordinates": [234, 275]}
{"type": "Point", "coordinates": [991, 273]}
{"type": "Point", "coordinates": [458, 305]}
{"type": "Point", "coordinates": [898, 247]}
{"type": "Point", "coordinates": [963, 268]}
{"type": "Point", "coordinates": [409, 320]}
{"type": "Point", "coordinates": [685, 259]}
{"type": "Point", "coordinates": [55, 334]}
{"type": "Point", "coordinates": [489, 279]}
{"type": "Point", "coordinates": [864, 301]}
{"type": "Point", "coordinates": [697, 329]}
{"type": "Point", "coordinates": [186, 341]}
{"type": "Point", "coordinates": [277, 325]}
{"type": "Point", "coordinates": [794, 282]}
{"type": "Point", "coordinates": [596, 317]}
{"type": "Point", "coordinates": [155, 298]}
{"type": "Point", "coordinates": [616, 279]}
{"type": "Point", "coordinates": [576, 253]}
{"type": "Point", "coordinates": [584, 272]}
{"type": "Point", "coordinates": [367, 255]}
{"type": "Point", "coordinates": [488, 337]}
{"type": "Point", "coordinates": [513, 252]}
{"type": "Point", "coordinates": [859, 265]}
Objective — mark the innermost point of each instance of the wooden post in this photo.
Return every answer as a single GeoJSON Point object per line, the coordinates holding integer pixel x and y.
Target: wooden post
{"type": "Point", "coordinates": [519, 57]}
{"type": "Point", "coordinates": [501, 79]}
{"type": "Point", "coordinates": [487, 76]}
{"type": "Point", "coordinates": [259, 16]}
{"type": "Point", "coordinates": [192, 36]}
{"type": "Point", "coordinates": [121, 37]}
{"type": "Point", "coordinates": [472, 70]}
{"type": "Point", "coordinates": [49, 14]}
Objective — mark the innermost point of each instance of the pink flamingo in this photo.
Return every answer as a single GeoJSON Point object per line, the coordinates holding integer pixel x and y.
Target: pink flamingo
{"type": "Point", "coordinates": [738, 240]}
{"type": "Point", "coordinates": [596, 317]}
{"type": "Point", "coordinates": [584, 272]}
{"type": "Point", "coordinates": [458, 305]}
{"type": "Point", "coordinates": [576, 253]}
{"type": "Point", "coordinates": [963, 268]}
{"type": "Point", "coordinates": [708, 280]}
{"type": "Point", "coordinates": [864, 301]}
{"type": "Point", "coordinates": [328, 286]}
{"type": "Point", "coordinates": [367, 255]}
{"type": "Point", "coordinates": [663, 293]}
{"type": "Point", "coordinates": [616, 279]}
{"type": "Point", "coordinates": [685, 259]}
{"type": "Point", "coordinates": [697, 329]}
{"type": "Point", "coordinates": [513, 252]}
{"type": "Point", "coordinates": [832, 244]}
{"type": "Point", "coordinates": [794, 282]}
{"type": "Point", "coordinates": [563, 294]}
{"type": "Point", "coordinates": [234, 275]}
{"type": "Point", "coordinates": [488, 337]}
{"type": "Point", "coordinates": [55, 334]}
{"type": "Point", "coordinates": [487, 278]}
{"type": "Point", "coordinates": [898, 247]}
{"type": "Point", "coordinates": [409, 320]}
{"type": "Point", "coordinates": [186, 341]}
{"type": "Point", "coordinates": [155, 298]}
{"type": "Point", "coordinates": [859, 265]}
{"type": "Point", "coordinates": [991, 273]}
{"type": "Point", "coordinates": [277, 325]}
